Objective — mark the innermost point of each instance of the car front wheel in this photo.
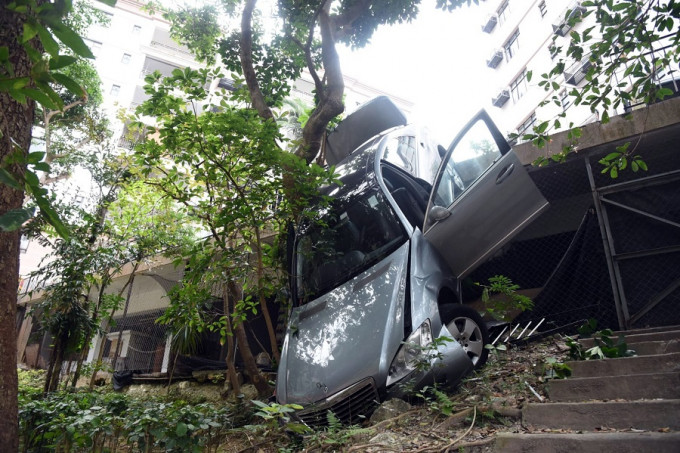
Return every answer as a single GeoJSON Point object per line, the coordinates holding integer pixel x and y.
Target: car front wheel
{"type": "Point", "coordinates": [467, 327]}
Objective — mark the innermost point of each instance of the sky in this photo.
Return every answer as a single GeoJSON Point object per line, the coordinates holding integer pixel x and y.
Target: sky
{"type": "Point", "coordinates": [437, 62]}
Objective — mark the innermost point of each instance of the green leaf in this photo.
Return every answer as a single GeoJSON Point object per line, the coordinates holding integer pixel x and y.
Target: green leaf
{"type": "Point", "coordinates": [30, 31]}
{"type": "Point", "coordinates": [12, 220]}
{"type": "Point", "coordinates": [51, 46]}
{"type": "Point", "coordinates": [9, 180]}
{"type": "Point", "coordinates": [612, 156]}
{"type": "Point", "coordinates": [181, 429]}
{"type": "Point", "coordinates": [40, 97]}
{"type": "Point", "coordinates": [110, 3]}
{"type": "Point", "coordinates": [69, 84]}
{"type": "Point", "coordinates": [35, 157]}
{"type": "Point", "coordinates": [4, 53]}
{"type": "Point", "coordinates": [42, 166]}
{"type": "Point", "coordinates": [73, 41]}
{"type": "Point", "coordinates": [51, 216]}
{"type": "Point", "coordinates": [61, 61]}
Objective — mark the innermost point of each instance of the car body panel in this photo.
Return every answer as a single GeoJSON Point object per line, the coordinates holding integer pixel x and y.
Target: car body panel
{"type": "Point", "coordinates": [352, 331]}
{"type": "Point", "coordinates": [488, 194]}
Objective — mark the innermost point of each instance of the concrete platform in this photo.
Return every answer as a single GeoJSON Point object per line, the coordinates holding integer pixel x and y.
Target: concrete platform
{"type": "Point", "coordinates": [588, 443]}
{"type": "Point", "coordinates": [650, 415]}
{"type": "Point", "coordinates": [633, 387]}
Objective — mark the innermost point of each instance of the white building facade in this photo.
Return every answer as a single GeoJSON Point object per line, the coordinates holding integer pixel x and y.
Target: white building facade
{"type": "Point", "coordinates": [520, 34]}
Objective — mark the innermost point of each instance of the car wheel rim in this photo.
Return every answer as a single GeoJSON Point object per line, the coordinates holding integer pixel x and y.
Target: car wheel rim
{"type": "Point", "coordinates": [466, 332]}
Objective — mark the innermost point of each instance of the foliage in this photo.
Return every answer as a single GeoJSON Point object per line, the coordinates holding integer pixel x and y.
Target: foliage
{"type": "Point", "coordinates": [436, 400]}
{"type": "Point", "coordinates": [604, 345]}
{"type": "Point", "coordinates": [554, 369]}
{"type": "Point", "coordinates": [90, 421]}
{"type": "Point", "coordinates": [628, 53]}
{"type": "Point", "coordinates": [278, 416]}
{"type": "Point", "coordinates": [335, 434]}
{"type": "Point", "coordinates": [264, 61]}
{"type": "Point", "coordinates": [46, 27]}
{"type": "Point", "coordinates": [496, 348]}
{"type": "Point", "coordinates": [223, 164]}
{"type": "Point", "coordinates": [509, 301]}
{"type": "Point", "coordinates": [107, 231]}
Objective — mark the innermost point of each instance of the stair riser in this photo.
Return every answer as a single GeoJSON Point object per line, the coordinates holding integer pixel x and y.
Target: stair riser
{"type": "Point", "coordinates": [646, 415]}
{"type": "Point", "coordinates": [626, 366]}
{"type": "Point", "coordinates": [588, 443]}
{"type": "Point", "coordinates": [639, 338]}
{"type": "Point", "coordinates": [639, 386]}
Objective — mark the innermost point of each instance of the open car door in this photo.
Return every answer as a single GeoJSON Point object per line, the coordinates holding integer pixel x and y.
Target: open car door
{"type": "Point", "coordinates": [481, 198]}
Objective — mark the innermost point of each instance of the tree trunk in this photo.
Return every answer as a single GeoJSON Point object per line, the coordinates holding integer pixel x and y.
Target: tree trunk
{"type": "Point", "coordinates": [246, 55]}
{"type": "Point", "coordinates": [263, 302]}
{"type": "Point", "coordinates": [16, 120]}
{"type": "Point", "coordinates": [258, 380]}
{"type": "Point", "coordinates": [231, 347]}
{"type": "Point", "coordinates": [330, 101]}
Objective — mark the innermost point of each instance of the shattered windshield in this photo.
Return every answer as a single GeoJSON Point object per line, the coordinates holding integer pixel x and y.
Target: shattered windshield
{"type": "Point", "coordinates": [352, 234]}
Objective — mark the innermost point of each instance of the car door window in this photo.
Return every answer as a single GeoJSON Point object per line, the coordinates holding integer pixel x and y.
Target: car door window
{"type": "Point", "coordinates": [471, 158]}
{"type": "Point", "coordinates": [401, 152]}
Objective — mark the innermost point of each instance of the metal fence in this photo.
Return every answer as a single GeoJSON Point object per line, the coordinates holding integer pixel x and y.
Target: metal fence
{"type": "Point", "coordinates": [607, 248]}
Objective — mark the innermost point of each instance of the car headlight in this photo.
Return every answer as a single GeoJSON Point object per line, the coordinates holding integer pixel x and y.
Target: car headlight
{"type": "Point", "coordinates": [413, 353]}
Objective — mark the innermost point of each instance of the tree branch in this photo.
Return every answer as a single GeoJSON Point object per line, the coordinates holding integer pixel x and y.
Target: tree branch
{"type": "Point", "coordinates": [246, 55]}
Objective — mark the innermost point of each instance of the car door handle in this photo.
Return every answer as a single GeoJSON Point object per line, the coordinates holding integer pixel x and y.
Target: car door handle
{"type": "Point", "coordinates": [503, 175]}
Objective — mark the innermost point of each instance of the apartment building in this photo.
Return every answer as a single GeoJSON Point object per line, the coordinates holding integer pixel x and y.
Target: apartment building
{"type": "Point", "coordinates": [519, 35]}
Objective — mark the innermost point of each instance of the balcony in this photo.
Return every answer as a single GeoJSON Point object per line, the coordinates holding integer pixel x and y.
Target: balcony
{"type": "Point", "coordinates": [569, 16]}
{"type": "Point", "coordinates": [577, 72]}
{"type": "Point", "coordinates": [501, 98]}
{"type": "Point", "coordinates": [495, 59]}
{"type": "Point", "coordinates": [490, 23]}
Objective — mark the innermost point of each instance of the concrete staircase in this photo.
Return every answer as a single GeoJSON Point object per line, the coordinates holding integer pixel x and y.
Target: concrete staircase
{"type": "Point", "coordinates": [612, 405]}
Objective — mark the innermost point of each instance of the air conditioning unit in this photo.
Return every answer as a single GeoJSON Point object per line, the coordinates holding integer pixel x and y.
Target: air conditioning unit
{"type": "Point", "coordinates": [490, 23]}
{"type": "Point", "coordinates": [577, 72]}
{"type": "Point", "coordinates": [495, 59]}
{"type": "Point", "coordinates": [563, 27]}
{"type": "Point", "coordinates": [501, 98]}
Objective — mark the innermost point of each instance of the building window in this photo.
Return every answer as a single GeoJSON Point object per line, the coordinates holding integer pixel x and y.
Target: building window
{"type": "Point", "coordinates": [136, 29]}
{"type": "Point", "coordinates": [511, 46]}
{"type": "Point", "coordinates": [115, 91]}
{"type": "Point", "coordinates": [503, 12]}
{"type": "Point", "coordinates": [542, 8]}
{"type": "Point", "coordinates": [565, 100]}
{"type": "Point", "coordinates": [519, 86]}
{"type": "Point", "coordinates": [126, 58]}
{"type": "Point", "coordinates": [526, 125]}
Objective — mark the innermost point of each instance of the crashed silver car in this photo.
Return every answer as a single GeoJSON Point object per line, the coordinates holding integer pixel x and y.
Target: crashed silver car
{"type": "Point", "coordinates": [376, 273]}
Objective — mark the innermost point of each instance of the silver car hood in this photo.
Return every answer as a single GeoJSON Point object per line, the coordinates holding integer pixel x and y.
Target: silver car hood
{"type": "Point", "coordinates": [347, 335]}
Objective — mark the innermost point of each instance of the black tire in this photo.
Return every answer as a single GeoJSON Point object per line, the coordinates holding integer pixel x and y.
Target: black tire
{"type": "Point", "coordinates": [467, 328]}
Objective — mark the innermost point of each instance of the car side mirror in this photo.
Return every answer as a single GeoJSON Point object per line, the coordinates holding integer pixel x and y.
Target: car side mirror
{"type": "Point", "coordinates": [438, 213]}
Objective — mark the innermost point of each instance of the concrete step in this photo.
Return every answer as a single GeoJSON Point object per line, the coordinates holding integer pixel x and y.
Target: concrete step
{"type": "Point", "coordinates": [631, 339]}
{"type": "Point", "coordinates": [633, 387]}
{"type": "Point", "coordinates": [616, 442]}
{"type": "Point", "coordinates": [644, 364]}
{"type": "Point", "coordinates": [656, 347]}
{"type": "Point", "coordinates": [647, 330]}
{"type": "Point", "coordinates": [649, 415]}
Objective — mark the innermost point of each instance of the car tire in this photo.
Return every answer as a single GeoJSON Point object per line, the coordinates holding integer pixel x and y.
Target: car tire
{"type": "Point", "coordinates": [467, 327]}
